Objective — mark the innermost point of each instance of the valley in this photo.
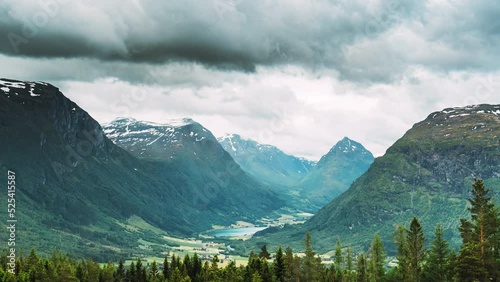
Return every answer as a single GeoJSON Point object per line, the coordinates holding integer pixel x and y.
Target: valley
{"type": "Point", "coordinates": [134, 189]}
{"type": "Point", "coordinates": [221, 241]}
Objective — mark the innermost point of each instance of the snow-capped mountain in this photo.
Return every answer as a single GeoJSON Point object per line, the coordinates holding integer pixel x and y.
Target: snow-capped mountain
{"type": "Point", "coordinates": [153, 140]}
{"type": "Point", "coordinates": [266, 162]}
{"type": "Point", "coordinates": [191, 157]}
{"type": "Point", "coordinates": [75, 184]}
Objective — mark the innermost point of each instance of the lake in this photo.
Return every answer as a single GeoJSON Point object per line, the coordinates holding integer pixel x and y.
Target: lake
{"type": "Point", "coordinates": [234, 232]}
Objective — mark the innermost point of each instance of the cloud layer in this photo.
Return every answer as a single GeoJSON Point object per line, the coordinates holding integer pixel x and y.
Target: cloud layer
{"type": "Point", "coordinates": [298, 74]}
{"type": "Point", "coordinates": [368, 41]}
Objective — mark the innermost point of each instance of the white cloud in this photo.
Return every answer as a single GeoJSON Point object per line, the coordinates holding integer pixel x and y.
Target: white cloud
{"type": "Point", "coordinates": [294, 110]}
{"type": "Point", "coordinates": [298, 74]}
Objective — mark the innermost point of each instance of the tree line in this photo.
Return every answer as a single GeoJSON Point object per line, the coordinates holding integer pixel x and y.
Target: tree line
{"type": "Point", "coordinates": [477, 260]}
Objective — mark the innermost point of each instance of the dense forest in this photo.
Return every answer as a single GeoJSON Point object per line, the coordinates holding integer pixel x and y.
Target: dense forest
{"type": "Point", "coordinates": [417, 259]}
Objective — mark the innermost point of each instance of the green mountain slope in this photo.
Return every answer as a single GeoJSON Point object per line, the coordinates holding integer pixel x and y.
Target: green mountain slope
{"type": "Point", "coordinates": [335, 172]}
{"type": "Point", "coordinates": [427, 173]}
{"type": "Point", "coordinates": [76, 190]}
{"type": "Point", "coordinates": [188, 155]}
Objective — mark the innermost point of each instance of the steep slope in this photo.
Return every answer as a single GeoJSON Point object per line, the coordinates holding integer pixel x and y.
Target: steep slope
{"type": "Point", "coordinates": [188, 155]}
{"type": "Point", "coordinates": [335, 172]}
{"type": "Point", "coordinates": [266, 162]}
{"type": "Point", "coordinates": [76, 189]}
{"type": "Point", "coordinates": [427, 173]}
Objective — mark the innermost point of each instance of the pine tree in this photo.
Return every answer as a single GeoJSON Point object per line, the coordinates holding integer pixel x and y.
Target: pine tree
{"type": "Point", "coordinates": [415, 241]}
{"type": "Point", "coordinates": [107, 273]}
{"type": "Point", "coordinates": [377, 259]}
{"type": "Point", "coordinates": [153, 270]}
{"type": "Point", "coordinates": [187, 265]}
{"type": "Point", "coordinates": [310, 264]}
{"type": "Point", "coordinates": [256, 277]}
{"type": "Point", "coordinates": [266, 273]}
{"type": "Point", "coordinates": [119, 274]}
{"type": "Point", "coordinates": [139, 272]}
{"type": "Point", "coordinates": [451, 269]}
{"type": "Point", "coordinates": [480, 234]}
{"type": "Point", "coordinates": [92, 271]}
{"type": "Point", "coordinates": [349, 259]}
{"type": "Point", "coordinates": [362, 268]}
{"type": "Point", "coordinates": [264, 253]}
{"type": "Point", "coordinates": [130, 275]}
{"type": "Point", "coordinates": [339, 260]}
{"type": "Point", "coordinates": [289, 264]}
{"type": "Point", "coordinates": [196, 268]}
{"type": "Point", "coordinates": [175, 263]}
{"type": "Point", "coordinates": [166, 270]}
{"type": "Point", "coordinates": [402, 252]}
{"type": "Point", "coordinates": [279, 265]}
{"type": "Point", "coordinates": [437, 263]}
{"type": "Point", "coordinates": [176, 275]}
{"type": "Point", "coordinates": [470, 266]}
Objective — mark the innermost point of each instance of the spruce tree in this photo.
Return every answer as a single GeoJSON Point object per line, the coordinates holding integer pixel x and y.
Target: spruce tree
{"type": "Point", "coordinates": [377, 259]}
{"type": "Point", "coordinates": [349, 259]}
{"type": "Point", "coordinates": [416, 251]}
{"type": "Point", "coordinates": [289, 264]}
{"type": "Point", "coordinates": [196, 268]}
{"type": "Point", "coordinates": [120, 272]}
{"type": "Point", "coordinates": [166, 270]}
{"type": "Point", "coordinates": [470, 266]}
{"type": "Point", "coordinates": [402, 252]}
{"type": "Point", "coordinates": [153, 270]}
{"type": "Point", "coordinates": [264, 253]}
{"type": "Point", "coordinates": [279, 265]}
{"type": "Point", "coordinates": [362, 268]}
{"type": "Point", "coordinates": [339, 260]}
{"type": "Point", "coordinates": [310, 264]}
{"type": "Point", "coordinates": [436, 268]}
{"type": "Point", "coordinates": [480, 234]}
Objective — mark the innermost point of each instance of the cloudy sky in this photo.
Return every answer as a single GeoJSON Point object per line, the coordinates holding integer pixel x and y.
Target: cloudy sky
{"type": "Point", "coordinates": [299, 74]}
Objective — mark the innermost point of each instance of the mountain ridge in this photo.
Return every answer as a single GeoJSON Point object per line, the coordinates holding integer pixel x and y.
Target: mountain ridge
{"type": "Point", "coordinates": [73, 180]}
{"type": "Point", "coordinates": [426, 173]}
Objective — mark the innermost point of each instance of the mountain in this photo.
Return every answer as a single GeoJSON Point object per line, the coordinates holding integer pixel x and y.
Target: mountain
{"type": "Point", "coordinates": [335, 172]}
{"type": "Point", "coordinates": [79, 192]}
{"type": "Point", "coordinates": [186, 153]}
{"type": "Point", "coordinates": [427, 173]}
{"type": "Point", "coordinates": [266, 162]}
{"type": "Point", "coordinates": [311, 185]}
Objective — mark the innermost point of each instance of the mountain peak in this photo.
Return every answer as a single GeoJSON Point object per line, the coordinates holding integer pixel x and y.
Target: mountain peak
{"type": "Point", "coordinates": [347, 145]}
{"type": "Point", "coordinates": [23, 89]}
{"type": "Point", "coordinates": [229, 136]}
{"type": "Point", "coordinates": [450, 113]}
{"type": "Point", "coordinates": [180, 122]}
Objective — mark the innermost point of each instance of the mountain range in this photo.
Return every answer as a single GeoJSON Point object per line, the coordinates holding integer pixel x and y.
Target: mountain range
{"type": "Point", "coordinates": [77, 190]}
{"type": "Point", "coordinates": [101, 191]}
{"type": "Point", "coordinates": [427, 173]}
{"type": "Point", "coordinates": [266, 162]}
{"type": "Point", "coordinates": [309, 184]}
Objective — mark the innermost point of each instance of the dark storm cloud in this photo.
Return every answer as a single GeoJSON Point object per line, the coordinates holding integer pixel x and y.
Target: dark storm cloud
{"type": "Point", "coordinates": [224, 33]}
{"type": "Point", "coordinates": [354, 38]}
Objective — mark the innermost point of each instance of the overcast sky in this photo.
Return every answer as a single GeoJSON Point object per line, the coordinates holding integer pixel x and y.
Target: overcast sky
{"type": "Point", "coordinates": [298, 74]}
